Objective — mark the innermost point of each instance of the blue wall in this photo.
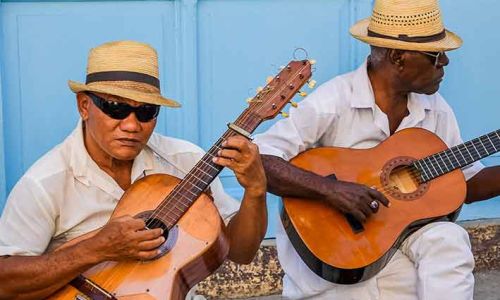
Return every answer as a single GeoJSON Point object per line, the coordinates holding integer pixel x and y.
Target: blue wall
{"type": "Point", "coordinates": [213, 54]}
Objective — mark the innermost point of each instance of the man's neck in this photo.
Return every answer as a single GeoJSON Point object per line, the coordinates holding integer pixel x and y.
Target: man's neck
{"type": "Point", "coordinates": [389, 96]}
{"type": "Point", "coordinates": [119, 170]}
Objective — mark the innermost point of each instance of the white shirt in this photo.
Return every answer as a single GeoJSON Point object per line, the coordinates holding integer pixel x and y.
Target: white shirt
{"type": "Point", "coordinates": [343, 113]}
{"type": "Point", "coordinates": [65, 194]}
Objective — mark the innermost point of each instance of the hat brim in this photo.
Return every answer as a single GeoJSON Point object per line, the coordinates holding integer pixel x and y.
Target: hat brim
{"type": "Point", "coordinates": [135, 95]}
{"type": "Point", "coordinates": [360, 32]}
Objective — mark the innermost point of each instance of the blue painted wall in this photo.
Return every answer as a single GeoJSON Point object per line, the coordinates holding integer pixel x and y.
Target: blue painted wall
{"type": "Point", "coordinates": [213, 54]}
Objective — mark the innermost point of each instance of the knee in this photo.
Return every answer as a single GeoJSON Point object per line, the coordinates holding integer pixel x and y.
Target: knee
{"type": "Point", "coordinates": [438, 239]}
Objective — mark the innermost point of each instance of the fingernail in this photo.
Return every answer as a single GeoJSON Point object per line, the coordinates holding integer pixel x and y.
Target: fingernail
{"type": "Point", "coordinates": [389, 204]}
{"type": "Point", "coordinates": [162, 239]}
{"type": "Point", "coordinates": [224, 143]}
{"type": "Point", "coordinates": [214, 159]}
{"type": "Point", "coordinates": [219, 152]}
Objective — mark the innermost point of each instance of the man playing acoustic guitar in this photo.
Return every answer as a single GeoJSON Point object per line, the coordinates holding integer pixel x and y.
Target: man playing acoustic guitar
{"type": "Point", "coordinates": [396, 88]}
{"type": "Point", "coordinates": [75, 187]}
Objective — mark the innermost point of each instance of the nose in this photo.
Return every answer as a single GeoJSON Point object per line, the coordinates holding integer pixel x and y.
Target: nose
{"type": "Point", "coordinates": [443, 60]}
{"type": "Point", "coordinates": [130, 123]}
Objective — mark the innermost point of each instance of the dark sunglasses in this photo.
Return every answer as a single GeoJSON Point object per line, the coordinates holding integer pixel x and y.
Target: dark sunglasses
{"type": "Point", "coordinates": [435, 55]}
{"type": "Point", "coordinates": [120, 111]}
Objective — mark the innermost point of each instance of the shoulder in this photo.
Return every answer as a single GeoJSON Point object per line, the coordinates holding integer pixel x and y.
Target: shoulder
{"type": "Point", "coordinates": [53, 163]}
{"type": "Point", "coordinates": [437, 103]}
{"type": "Point", "coordinates": [170, 146]}
{"type": "Point", "coordinates": [332, 95]}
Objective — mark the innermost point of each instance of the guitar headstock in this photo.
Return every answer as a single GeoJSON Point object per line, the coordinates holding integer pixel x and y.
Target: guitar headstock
{"type": "Point", "coordinates": [279, 90]}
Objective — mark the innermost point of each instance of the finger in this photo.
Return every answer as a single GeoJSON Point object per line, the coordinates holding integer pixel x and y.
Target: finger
{"type": "Point", "coordinates": [224, 162]}
{"type": "Point", "coordinates": [373, 205]}
{"type": "Point", "coordinates": [151, 244]}
{"type": "Point", "coordinates": [376, 195]}
{"type": "Point", "coordinates": [148, 254]}
{"type": "Point", "coordinates": [236, 142]}
{"type": "Point", "coordinates": [364, 205]}
{"type": "Point", "coordinates": [147, 235]}
{"type": "Point", "coordinates": [229, 154]}
{"type": "Point", "coordinates": [136, 223]}
{"type": "Point", "coordinates": [358, 215]}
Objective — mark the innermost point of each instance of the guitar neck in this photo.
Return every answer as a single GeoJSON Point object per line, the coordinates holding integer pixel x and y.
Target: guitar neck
{"type": "Point", "coordinates": [458, 156]}
{"type": "Point", "coordinates": [200, 176]}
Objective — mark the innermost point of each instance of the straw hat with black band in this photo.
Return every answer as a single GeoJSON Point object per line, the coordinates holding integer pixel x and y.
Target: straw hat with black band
{"type": "Point", "coordinates": [126, 69]}
{"type": "Point", "coordinates": [407, 25]}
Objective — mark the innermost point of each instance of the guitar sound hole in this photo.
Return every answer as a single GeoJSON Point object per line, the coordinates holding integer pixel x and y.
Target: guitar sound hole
{"type": "Point", "coordinates": [153, 223]}
{"type": "Point", "coordinates": [403, 179]}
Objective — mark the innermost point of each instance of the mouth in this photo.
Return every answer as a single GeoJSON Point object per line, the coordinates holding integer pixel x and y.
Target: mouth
{"type": "Point", "coordinates": [129, 142]}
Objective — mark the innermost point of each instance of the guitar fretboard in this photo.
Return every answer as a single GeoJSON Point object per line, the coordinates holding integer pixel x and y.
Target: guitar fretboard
{"type": "Point", "coordinates": [458, 156]}
{"type": "Point", "coordinates": [199, 178]}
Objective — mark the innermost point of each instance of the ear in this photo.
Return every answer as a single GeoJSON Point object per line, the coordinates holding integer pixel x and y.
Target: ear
{"type": "Point", "coordinates": [83, 103]}
{"type": "Point", "coordinates": [396, 58]}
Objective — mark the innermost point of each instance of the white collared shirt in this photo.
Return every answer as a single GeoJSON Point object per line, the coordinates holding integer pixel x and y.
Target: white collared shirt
{"type": "Point", "coordinates": [65, 194]}
{"type": "Point", "coordinates": [343, 113]}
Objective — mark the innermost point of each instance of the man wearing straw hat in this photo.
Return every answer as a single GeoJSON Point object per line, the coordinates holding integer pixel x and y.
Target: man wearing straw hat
{"type": "Point", "coordinates": [74, 188]}
{"type": "Point", "coordinates": [395, 88]}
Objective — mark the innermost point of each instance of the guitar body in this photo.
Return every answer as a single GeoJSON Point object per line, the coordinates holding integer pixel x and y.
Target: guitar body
{"type": "Point", "coordinates": [324, 238]}
{"type": "Point", "coordinates": [195, 247]}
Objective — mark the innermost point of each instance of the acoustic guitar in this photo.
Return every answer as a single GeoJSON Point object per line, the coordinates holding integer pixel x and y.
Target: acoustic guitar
{"type": "Point", "coordinates": [413, 168]}
{"type": "Point", "coordinates": [195, 243]}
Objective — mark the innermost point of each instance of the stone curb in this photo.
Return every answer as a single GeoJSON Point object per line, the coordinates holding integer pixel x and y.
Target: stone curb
{"type": "Point", "coordinates": [264, 275]}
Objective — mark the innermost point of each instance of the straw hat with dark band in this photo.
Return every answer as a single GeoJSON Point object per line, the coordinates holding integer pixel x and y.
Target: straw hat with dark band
{"type": "Point", "coordinates": [124, 68]}
{"type": "Point", "coordinates": [407, 25]}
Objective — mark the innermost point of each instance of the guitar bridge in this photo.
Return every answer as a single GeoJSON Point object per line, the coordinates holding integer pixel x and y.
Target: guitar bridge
{"type": "Point", "coordinates": [356, 226]}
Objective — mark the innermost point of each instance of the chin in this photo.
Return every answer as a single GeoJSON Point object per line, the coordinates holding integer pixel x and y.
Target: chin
{"type": "Point", "coordinates": [128, 154]}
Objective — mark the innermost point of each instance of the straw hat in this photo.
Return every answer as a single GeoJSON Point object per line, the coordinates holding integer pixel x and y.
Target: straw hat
{"type": "Point", "coordinates": [124, 68]}
{"type": "Point", "coordinates": [407, 25]}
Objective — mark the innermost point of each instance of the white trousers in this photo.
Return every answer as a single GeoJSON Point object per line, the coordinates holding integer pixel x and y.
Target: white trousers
{"type": "Point", "coordinates": [434, 263]}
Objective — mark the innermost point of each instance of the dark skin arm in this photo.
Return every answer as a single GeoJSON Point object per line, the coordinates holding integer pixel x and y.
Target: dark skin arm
{"type": "Point", "coordinates": [484, 185]}
{"type": "Point", "coordinates": [248, 227]}
{"type": "Point", "coordinates": [36, 277]}
{"type": "Point", "coordinates": [284, 179]}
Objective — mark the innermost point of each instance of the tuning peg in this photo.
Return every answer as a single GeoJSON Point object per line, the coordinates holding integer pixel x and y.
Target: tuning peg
{"type": "Point", "coordinates": [249, 100]}
{"type": "Point", "coordinates": [311, 83]}
{"type": "Point", "coordinates": [260, 89]}
{"type": "Point", "coordinates": [269, 79]}
{"type": "Point", "coordinates": [302, 93]}
{"type": "Point", "coordinates": [312, 61]}
{"type": "Point", "coordinates": [294, 104]}
{"type": "Point", "coordinates": [284, 114]}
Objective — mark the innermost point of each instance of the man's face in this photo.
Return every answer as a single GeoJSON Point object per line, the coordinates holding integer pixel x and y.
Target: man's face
{"type": "Point", "coordinates": [120, 139]}
{"type": "Point", "coordinates": [422, 73]}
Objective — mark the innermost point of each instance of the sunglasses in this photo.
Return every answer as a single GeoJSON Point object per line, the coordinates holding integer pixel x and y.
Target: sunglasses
{"type": "Point", "coordinates": [436, 56]}
{"type": "Point", "coordinates": [120, 111]}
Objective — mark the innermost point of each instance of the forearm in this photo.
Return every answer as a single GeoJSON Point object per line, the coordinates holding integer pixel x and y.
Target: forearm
{"type": "Point", "coordinates": [284, 179]}
{"type": "Point", "coordinates": [35, 277]}
{"type": "Point", "coordinates": [247, 228]}
{"type": "Point", "coordinates": [484, 185]}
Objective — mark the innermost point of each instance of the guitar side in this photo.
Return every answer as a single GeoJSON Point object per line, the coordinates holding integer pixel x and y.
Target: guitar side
{"type": "Point", "coordinates": [326, 241]}
{"type": "Point", "coordinates": [198, 246]}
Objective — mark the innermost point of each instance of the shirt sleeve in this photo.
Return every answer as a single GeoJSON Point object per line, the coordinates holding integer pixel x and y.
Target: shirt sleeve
{"type": "Point", "coordinates": [302, 130]}
{"type": "Point", "coordinates": [449, 132]}
{"type": "Point", "coordinates": [27, 223]}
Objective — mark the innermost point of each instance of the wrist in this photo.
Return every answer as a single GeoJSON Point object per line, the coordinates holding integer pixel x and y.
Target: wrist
{"type": "Point", "coordinates": [90, 252]}
{"type": "Point", "coordinates": [255, 192]}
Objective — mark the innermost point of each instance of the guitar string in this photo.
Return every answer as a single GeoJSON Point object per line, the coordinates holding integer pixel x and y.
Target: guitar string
{"type": "Point", "coordinates": [243, 119]}
{"type": "Point", "coordinates": [423, 172]}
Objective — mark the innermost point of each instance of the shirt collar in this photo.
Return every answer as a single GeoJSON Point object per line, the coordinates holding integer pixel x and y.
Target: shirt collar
{"type": "Point", "coordinates": [86, 170]}
{"type": "Point", "coordinates": [363, 96]}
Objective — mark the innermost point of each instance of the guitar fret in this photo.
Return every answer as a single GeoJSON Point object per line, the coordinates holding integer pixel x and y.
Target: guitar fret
{"type": "Point", "coordinates": [473, 145]}
{"type": "Point", "coordinates": [492, 144]}
{"type": "Point", "coordinates": [432, 165]}
{"type": "Point", "coordinates": [449, 159]}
